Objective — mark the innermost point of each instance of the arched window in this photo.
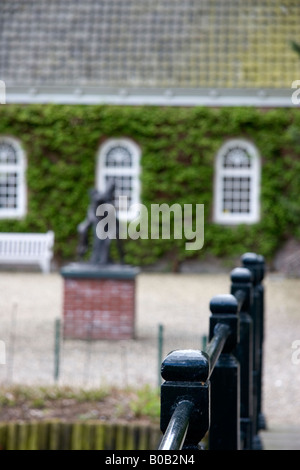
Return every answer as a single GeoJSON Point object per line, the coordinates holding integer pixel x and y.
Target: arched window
{"type": "Point", "coordinates": [119, 160]}
{"type": "Point", "coordinates": [12, 179]}
{"type": "Point", "coordinates": [237, 183]}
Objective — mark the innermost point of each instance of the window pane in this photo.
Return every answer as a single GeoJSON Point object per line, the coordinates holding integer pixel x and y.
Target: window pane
{"type": "Point", "coordinates": [237, 157]}
{"type": "Point", "coordinates": [8, 153]}
{"type": "Point", "coordinates": [118, 157]}
{"type": "Point", "coordinates": [8, 190]}
{"type": "Point", "coordinates": [236, 200]}
{"type": "Point", "coordinates": [123, 185]}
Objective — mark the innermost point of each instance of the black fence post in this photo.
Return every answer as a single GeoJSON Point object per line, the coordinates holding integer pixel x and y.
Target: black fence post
{"type": "Point", "coordinates": [256, 264]}
{"type": "Point", "coordinates": [241, 288]}
{"type": "Point", "coordinates": [184, 417]}
{"type": "Point", "coordinates": [224, 433]}
{"type": "Point", "coordinates": [261, 295]}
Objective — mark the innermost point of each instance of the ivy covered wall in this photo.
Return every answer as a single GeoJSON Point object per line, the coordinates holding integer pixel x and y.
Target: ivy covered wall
{"type": "Point", "coordinates": [178, 148]}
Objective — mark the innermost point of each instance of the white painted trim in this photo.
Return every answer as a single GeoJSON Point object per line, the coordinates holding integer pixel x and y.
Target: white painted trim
{"type": "Point", "coordinates": [19, 168]}
{"type": "Point", "coordinates": [254, 173]}
{"type": "Point", "coordinates": [255, 97]}
{"type": "Point", "coordinates": [134, 171]}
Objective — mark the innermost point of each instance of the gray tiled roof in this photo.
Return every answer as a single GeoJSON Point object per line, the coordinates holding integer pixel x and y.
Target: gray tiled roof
{"type": "Point", "coordinates": [149, 43]}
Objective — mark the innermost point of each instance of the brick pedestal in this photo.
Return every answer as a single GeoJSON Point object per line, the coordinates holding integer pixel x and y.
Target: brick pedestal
{"type": "Point", "coordinates": [99, 302]}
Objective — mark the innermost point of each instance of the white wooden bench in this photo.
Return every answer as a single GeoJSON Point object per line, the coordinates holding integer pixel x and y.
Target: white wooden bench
{"type": "Point", "coordinates": [27, 248]}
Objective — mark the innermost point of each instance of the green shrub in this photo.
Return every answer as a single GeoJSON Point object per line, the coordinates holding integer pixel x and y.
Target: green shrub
{"type": "Point", "coordinates": [146, 402]}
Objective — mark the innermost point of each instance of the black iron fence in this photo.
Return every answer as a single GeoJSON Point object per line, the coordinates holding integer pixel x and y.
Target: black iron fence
{"type": "Point", "coordinates": [217, 392]}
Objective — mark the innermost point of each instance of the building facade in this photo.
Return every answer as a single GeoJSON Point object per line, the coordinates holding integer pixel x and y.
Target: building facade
{"type": "Point", "coordinates": [188, 102]}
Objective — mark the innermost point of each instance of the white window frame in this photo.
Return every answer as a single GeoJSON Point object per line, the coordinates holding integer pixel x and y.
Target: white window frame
{"type": "Point", "coordinates": [253, 173]}
{"type": "Point", "coordinates": [20, 169]}
{"type": "Point", "coordinates": [102, 171]}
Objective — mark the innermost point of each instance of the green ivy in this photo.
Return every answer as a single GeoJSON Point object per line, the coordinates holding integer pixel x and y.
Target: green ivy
{"type": "Point", "coordinates": [178, 150]}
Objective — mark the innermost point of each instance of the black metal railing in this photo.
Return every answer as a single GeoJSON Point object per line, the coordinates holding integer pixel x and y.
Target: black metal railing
{"type": "Point", "coordinates": [218, 392]}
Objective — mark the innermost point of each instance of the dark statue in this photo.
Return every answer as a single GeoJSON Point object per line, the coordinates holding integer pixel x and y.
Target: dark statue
{"type": "Point", "coordinates": [100, 248]}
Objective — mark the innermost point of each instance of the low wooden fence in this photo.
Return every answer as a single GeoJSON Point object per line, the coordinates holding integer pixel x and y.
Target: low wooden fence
{"type": "Point", "coordinates": [88, 435]}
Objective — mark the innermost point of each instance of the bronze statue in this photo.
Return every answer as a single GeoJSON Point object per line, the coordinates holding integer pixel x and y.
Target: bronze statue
{"type": "Point", "coordinates": [100, 248]}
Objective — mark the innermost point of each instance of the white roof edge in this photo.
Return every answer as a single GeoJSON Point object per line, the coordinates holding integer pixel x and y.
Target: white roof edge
{"type": "Point", "coordinates": [261, 97]}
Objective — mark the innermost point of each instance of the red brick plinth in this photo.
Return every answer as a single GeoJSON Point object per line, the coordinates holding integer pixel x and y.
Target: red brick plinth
{"type": "Point", "coordinates": [99, 302]}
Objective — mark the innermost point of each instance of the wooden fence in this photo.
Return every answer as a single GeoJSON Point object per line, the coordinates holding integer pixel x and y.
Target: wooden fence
{"type": "Point", "coordinates": [87, 435]}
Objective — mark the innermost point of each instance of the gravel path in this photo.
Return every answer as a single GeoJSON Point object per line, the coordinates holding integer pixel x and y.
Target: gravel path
{"type": "Point", "coordinates": [30, 303]}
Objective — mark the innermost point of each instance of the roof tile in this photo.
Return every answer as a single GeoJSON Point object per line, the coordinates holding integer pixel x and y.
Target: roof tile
{"type": "Point", "coordinates": [155, 43]}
